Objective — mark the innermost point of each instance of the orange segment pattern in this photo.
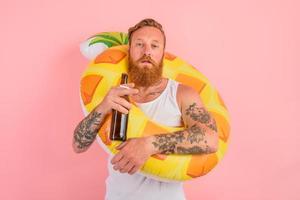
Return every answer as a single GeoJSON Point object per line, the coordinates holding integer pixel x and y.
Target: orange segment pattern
{"type": "Point", "coordinates": [191, 81]}
{"type": "Point", "coordinates": [152, 129]}
{"type": "Point", "coordinates": [112, 56]}
{"type": "Point", "coordinates": [88, 86]}
{"type": "Point", "coordinates": [169, 56]}
{"type": "Point", "coordinates": [221, 100]}
{"type": "Point", "coordinates": [223, 126]}
{"type": "Point", "coordinates": [201, 164]}
{"type": "Point", "coordinates": [104, 131]}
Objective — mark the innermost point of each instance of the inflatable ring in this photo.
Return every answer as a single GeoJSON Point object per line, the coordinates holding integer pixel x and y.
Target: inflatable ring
{"type": "Point", "coordinates": [105, 71]}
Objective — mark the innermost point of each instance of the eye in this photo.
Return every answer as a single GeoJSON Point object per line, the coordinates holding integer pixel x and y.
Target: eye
{"type": "Point", "coordinates": [139, 44]}
{"type": "Point", "coordinates": [154, 46]}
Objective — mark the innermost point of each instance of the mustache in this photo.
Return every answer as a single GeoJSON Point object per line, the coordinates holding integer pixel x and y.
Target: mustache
{"type": "Point", "coordinates": [146, 58]}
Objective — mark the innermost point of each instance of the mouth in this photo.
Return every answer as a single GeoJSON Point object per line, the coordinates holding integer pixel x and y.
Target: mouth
{"type": "Point", "coordinates": [146, 62]}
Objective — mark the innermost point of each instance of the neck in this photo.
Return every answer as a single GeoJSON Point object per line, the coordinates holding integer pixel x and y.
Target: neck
{"type": "Point", "coordinates": [151, 87]}
{"type": "Point", "coordinates": [146, 94]}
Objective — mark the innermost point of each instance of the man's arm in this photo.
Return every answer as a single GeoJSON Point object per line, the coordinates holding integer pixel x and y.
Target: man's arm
{"type": "Point", "coordinates": [200, 135]}
{"type": "Point", "coordinates": [86, 131]}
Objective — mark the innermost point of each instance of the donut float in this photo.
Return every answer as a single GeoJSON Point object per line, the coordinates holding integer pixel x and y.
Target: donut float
{"type": "Point", "coordinates": [104, 71]}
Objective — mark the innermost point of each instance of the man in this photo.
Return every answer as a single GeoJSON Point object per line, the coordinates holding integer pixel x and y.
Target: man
{"type": "Point", "coordinates": [164, 101]}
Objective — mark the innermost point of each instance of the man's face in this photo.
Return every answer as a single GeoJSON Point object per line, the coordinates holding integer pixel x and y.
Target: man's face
{"type": "Point", "coordinates": [146, 56]}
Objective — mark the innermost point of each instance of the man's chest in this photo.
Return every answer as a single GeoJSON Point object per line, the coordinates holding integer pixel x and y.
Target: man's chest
{"type": "Point", "coordinates": [145, 97]}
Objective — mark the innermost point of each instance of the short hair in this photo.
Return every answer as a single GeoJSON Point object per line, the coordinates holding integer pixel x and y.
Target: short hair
{"type": "Point", "coordinates": [146, 22]}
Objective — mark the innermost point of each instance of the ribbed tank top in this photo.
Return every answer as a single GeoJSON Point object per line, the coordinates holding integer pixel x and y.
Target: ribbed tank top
{"type": "Point", "coordinates": [164, 109]}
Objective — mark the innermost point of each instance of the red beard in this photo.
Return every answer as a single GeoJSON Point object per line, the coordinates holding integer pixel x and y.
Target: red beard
{"type": "Point", "coordinates": [144, 76]}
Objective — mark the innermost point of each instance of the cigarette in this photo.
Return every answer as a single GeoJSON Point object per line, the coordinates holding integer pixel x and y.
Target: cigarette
{"type": "Point", "coordinates": [124, 86]}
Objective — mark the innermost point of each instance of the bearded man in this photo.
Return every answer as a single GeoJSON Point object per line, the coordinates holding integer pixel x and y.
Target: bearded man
{"type": "Point", "coordinates": [162, 100]}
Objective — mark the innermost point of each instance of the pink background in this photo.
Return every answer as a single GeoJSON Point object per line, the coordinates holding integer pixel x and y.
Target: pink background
{"type": "Point", "coordinates": [248, 49]}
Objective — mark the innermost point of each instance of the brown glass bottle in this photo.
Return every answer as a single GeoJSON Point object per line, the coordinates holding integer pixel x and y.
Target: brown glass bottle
{"type": "Point", "coordinates": [119, 121]}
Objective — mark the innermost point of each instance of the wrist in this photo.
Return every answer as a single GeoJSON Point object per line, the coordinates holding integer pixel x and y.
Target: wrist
{"type": "Point", "coordinates": [149, 141]}
{"type": "Point", "coordinates": [102, 109]}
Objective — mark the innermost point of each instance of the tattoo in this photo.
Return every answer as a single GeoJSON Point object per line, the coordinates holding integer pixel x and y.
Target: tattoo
{"type": "Point", "coordinates": [193, 150]}
{"type": "Point", "coordinates": [196, 134]}
{"type": "Point", "coordinates": [201, 115]}
{"type": "Point", "coordinates": [173, 143]}
{"type": "Point", "coordinates": [86, 131]}
{"type": "Point", "coordinates": [192, 140]}
{"type": "Point", "coordinates": [167, 143]}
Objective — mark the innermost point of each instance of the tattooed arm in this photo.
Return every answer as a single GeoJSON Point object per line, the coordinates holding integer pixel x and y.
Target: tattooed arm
{"type": "Point", "coordinates": [200, 135]}
{"type": "Point", "coordinates": [86, 131]}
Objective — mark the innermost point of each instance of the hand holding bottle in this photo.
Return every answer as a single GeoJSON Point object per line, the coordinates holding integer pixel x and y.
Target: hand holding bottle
{"type": "Point", "coordinates": [115, 99]}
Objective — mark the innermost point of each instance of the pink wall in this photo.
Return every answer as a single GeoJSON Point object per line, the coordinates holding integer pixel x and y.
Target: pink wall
{"type": "Point", "coordinates": [249, 49]}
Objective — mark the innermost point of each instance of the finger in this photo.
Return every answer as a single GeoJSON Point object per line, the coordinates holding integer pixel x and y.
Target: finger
{"type": "Point", "coordinates": [123, 102]}
{"type": "Point", "coordinates": [121, 164]}
{"type": "Point", "coordinates": [120, 146]}
{"type": "Point", "coordinates": [119, 108]}
{"type": "Point", "coordinates": [133, 170]}
{"type": "Point", "coordinates": [116, 158]}
{"type": "Point", "coordinates": [128, 85]}
{"type": "Point", "coordinates": [122, 91]}
{"type": "Point", "coordinates": [127, 167]}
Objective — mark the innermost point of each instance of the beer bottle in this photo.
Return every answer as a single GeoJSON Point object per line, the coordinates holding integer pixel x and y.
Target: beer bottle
{"type": "Point", "coordinates": [119, 120]}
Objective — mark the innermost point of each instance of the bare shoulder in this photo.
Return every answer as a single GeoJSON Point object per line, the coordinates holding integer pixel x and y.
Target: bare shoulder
{"type": "Point", "coordinates": [185, 89]}
{"type": "Point", "coordinates": [187, 95]}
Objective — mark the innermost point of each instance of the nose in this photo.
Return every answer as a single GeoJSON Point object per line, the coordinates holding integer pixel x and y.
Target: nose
{"type": "Point", "coordinates": [147, 50]}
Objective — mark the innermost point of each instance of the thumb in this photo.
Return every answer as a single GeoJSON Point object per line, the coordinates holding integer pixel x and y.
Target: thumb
{"type": "Point", "coordinates": [120, 146]}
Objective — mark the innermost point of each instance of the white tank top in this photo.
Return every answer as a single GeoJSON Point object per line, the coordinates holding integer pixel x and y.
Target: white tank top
{"type": "Point", "coordinates": [165, 110]}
